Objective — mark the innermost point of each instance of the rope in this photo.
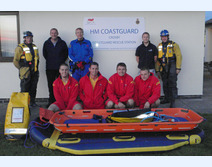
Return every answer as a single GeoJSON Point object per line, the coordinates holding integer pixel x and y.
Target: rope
{"type": "Point", "coordinates": [31, 126]}
{"type": "Point", "coordinates": [160, 118]}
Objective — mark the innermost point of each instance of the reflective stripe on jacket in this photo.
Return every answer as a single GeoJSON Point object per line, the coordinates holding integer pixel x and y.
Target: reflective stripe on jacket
{"type": "Point", "coordinates": [25, 55]}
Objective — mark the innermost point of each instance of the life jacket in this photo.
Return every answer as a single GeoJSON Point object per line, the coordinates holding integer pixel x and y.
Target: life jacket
{"type": "Point", "coordinates": [165, 58]}
{"type": "Point", "coordinates": [27, 57]}
{"type": "Point", "coordinates": [169, 50]}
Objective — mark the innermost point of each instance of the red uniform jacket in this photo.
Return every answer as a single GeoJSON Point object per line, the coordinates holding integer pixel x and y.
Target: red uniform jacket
{"type": "Point", "coordinates": [120, 89]}
{"type": "Point", "coordinates": [93, 98]}
{"type": "Point", "coordinates": [148, 90]}
{"type": "Point", "coordinates": [65, 95]}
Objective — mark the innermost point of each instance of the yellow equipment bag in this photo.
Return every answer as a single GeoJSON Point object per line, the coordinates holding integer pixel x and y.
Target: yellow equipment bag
{"type": "Point", "coordinates": [17, 116]}
{"type": "Point", "coordinates": [130, 117]}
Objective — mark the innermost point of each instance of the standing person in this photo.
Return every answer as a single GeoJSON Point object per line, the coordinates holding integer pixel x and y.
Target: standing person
{"type": "Point", "coordinates": [55, 51]}
{"type": "Point", "coordinates": [93, 88]}
{"type": "Point", "coordinates": [147, 89]}
{"type": "Point", "coordinates": [80, 54]}
{"type": "Point", "coordinates": [120, 89]}
{"type": "Point", "coordinates": [146, 54]}
{"type": "Point", "coordinates": [168, 66]}
{"type": "Point", "coordinates": [66, 90]}
{"type": "Point", "coordinates": [26, 59]}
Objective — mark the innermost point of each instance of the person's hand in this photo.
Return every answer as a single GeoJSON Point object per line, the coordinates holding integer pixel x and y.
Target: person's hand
{"type": "Point", "coordinates": [121, 105]}
{"type": "Point", "coordinates": [177, 72]}
{"type": "Point", "coordinates": [158, 74]}
{"type": "Point", "coordinates": [147, 105]}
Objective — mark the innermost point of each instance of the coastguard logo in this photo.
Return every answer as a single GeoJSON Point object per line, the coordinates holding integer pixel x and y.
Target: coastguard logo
{"type": "Point", "coordinates": [90, 21]}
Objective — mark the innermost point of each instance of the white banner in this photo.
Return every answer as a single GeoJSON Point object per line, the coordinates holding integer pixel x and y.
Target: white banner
{"type": "Point", "coordinates": [122, 33]}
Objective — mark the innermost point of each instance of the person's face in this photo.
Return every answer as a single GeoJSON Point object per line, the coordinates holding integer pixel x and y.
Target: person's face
{"type": "Point", "coordinates": [121, 70]}
{"type": "Point", "coordinates": [28, 39]}
{"type": "Point", "coordinates": [64, 72]}
{"type": "Point", "coordinates": [164, 38]}
{"type": "Point", "coordinates": [53, 34]}
{"type": "Point", "coordinates": [145, 38]}
{"type": "Point", "coordinates": [79, 34]}
{"type": "Point", "coordinates": [93, 70]}
{"type": "Point", "coordinates": [144, 75]}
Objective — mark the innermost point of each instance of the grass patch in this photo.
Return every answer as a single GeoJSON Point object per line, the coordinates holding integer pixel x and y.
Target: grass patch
{"type": "Point", "coordinates": [16, 148]}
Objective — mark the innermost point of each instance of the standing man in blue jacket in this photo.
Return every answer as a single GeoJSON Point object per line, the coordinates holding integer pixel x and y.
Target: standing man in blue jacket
{"type": "Point", "coordinates": [55, 51]}
{"type": "Point", "coordinates": [80, 55]}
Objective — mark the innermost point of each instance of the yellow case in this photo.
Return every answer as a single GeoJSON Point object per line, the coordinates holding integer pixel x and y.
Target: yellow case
{"type": "Point", "coordinates": [17, 115]}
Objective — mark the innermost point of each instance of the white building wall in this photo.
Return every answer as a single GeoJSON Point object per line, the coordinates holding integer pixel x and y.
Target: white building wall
{"type": "Point", "coordinates": [186, 29]}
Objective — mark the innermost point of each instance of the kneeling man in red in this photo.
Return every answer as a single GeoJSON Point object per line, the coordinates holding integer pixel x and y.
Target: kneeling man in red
{"type": "Point", "coordinates": [147, 90]}
{"type": "Point", "coordinates": [66, 90]}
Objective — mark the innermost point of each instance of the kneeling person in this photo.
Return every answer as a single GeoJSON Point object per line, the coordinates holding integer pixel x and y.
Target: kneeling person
{"type": "Point", "coordinates": [66, 90]}
{"type": "Point", "coordinates": [120, 89]}
{"type": "Point", "coordinates": [147, 90]}
{"type": "Point", "coordinates": [93, 88]}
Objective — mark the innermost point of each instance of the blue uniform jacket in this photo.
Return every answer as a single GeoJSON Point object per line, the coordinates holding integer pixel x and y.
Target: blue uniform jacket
{"type": "Point", "coordinates": [80, 51]}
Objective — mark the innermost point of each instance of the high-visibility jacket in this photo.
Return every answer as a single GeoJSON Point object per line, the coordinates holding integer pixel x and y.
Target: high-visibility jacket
{"type": "Point", "coordinates": [23, 60]}
{"type": "Point", "coordinates": [23, 56]}
{"type": "Point", "coordinates": [148, 90]}
{"type": "Point", "coordinates": [173, 53]}
{"type": "Point", "coordinates": [120, 88]}
{"type": "Point", "coordinates": [65, 95]}
{"type": "Point", "coordinates": [93, 98]}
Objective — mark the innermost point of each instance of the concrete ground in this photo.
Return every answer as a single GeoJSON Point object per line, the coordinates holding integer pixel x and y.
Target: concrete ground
{"type": "Point", "coordinates": [200, 105]}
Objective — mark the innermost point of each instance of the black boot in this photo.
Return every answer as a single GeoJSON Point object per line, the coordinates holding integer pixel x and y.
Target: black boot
{"type": "Point", "coordinates": [172, 105]}
{"type": "Point", "coordinates": [33, 103]}
{"type": "Point", "coordinates": [164, 101]}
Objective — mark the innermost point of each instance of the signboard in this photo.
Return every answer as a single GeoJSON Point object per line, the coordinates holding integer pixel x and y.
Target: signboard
{"type": "Point", "coordinates": [122, 33]}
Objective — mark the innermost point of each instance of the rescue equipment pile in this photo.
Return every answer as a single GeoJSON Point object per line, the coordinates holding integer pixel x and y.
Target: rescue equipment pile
{"type": "Point", "coordinates": [99, 131]}
{"type": "Point", "coordinates": [104, 131]}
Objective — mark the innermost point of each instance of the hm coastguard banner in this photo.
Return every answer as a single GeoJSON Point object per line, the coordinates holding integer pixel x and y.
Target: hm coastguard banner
{"type": "Point", "coordinates": [122, 33]}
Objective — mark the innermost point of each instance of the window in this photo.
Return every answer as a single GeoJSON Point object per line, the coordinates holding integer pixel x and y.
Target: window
{"type": "Point", "coordinates": [9, 35]}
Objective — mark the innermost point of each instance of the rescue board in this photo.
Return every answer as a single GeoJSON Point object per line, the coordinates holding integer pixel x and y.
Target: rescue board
{"type": "Point", "coordinates": [112, 143]}
{"type": "Point", "coordinates": [81, 124]}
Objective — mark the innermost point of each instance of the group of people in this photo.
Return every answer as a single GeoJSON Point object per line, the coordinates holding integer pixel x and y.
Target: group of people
{"type": "Point", "coordinates": [86, 88]}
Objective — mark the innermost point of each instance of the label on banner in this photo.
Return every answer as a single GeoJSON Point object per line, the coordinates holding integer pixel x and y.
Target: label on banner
{"type": "Point", "coordinates": [122, 33]}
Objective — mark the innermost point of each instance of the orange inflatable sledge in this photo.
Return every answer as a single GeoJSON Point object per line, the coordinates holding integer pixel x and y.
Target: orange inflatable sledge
{"type": "Point", "coordinates": [101, 120]}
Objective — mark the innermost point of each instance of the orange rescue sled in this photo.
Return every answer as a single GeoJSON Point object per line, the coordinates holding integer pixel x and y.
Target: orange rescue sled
{"type": "Point", "coordinates": [59, 118]}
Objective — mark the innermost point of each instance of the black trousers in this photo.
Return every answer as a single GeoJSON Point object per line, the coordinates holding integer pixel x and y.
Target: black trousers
{"type": "Point", "coordinates": [169, 79]}
{"type": "Point", "coordinates": [51, 76]}
{"type": "Point", "coordinates": [30, 85]}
